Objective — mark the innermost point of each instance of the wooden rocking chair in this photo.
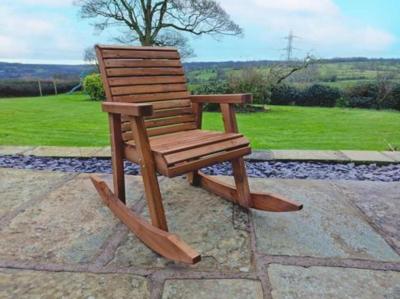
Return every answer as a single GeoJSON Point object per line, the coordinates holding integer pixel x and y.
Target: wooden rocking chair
{"type": "Point", "coordinates": [155, 122]}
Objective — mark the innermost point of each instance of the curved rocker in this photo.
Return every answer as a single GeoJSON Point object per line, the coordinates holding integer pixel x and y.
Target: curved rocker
{"type": "Point", "coordinates": [259, 201]}
{"type": "Point", "coordinates": [162, 242]}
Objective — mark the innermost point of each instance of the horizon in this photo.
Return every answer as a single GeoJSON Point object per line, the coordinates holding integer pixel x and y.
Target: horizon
{"type": "Point", "coordinates": [82, 63]}
{"type": "Point", "coordinates": [326, 29]}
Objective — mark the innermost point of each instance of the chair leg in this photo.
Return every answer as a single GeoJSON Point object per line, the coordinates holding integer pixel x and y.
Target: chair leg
{"type": "Point", "coordinates": [242, 183]}
{"type": "Point", "coordinates": [148, 169]}
{"type": "Point", "coordinates": [117, 156]}
{"type": "Point", "coordinates": [153, 197]}
{"type": "Point", "coordinates": [194, 178]}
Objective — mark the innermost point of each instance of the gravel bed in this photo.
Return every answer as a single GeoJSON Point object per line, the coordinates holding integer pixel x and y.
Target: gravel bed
{"type": "Point", "coordinates": [285, 170]}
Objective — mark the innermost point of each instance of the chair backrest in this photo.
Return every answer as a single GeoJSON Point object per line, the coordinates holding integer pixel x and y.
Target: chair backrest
{"type": "Point", "coordinates": [148, 75]}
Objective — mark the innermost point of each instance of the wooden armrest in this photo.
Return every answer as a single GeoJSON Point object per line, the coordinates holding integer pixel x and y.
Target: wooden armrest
{"type": "Point", "coordinates": [128, 108]}
{"type": "Point", "coordinates": [244, 98]}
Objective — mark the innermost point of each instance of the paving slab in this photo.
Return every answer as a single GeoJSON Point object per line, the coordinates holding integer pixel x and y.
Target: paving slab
{"type": "Point", "coordinates": [20, 186]}
{"type": "Point", "coordinates": [14, 150]}
{"type": "Point", "coordinates": [328, 282]}
{"type": "Point", "coordinates": [48, 285]}
{"type": "Point", "coordinates": [212, 226]}
{"type": "Point", "coordinates": [104, 152]}
{"type": "Point", "coordinates": [381, 203]}
{"type": "Point", "coordinates": [57, 151]}
{"type": "Point", "coordinates": [212, 289]}
{"type": "Point", "coordinates": [393, 155]}
{"type": "Point", "coordinates": [308, 155]}
{"type": "Point", "coordinates": [69, 226]}
{"type": "Point", "coordinates": [367, 156]}
{"type": "Point", "coordinates": [260, 155]}
{"type": "Point", "coordinates": [329, 226]}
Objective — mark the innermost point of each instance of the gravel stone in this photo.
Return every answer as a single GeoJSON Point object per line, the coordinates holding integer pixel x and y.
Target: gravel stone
{"type": "Point", "coordinates": [269, 169]}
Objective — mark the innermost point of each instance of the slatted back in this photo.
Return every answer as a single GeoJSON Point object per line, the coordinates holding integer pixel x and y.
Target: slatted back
{"type": "Point", "coordinates": [148, 75]}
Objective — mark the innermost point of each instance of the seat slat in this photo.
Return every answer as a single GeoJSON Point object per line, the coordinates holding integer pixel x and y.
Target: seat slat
{"type": "Point", "coordinates": [176, 138]}
{"type": "Point", "coordinates": [205, 149]}
{"type": "Point", "coordinates": [146, 80]}
{"type": "Point", "coordinates": [133, 53]}
{"type": "Point", "coordinates": [147, 89]}
{"type": "Point", "coordinates": [188, 143]}
{"type": "Point", "coordinates": [175, 142]}
{"type": "Point", "coordinates": [170, 140]}
{"type": "Point", "coordinates": [186, 167]}
{"type": "Point", "coordinates": [152, 97]}
{"type": "Point", "coordinates": [158, 63]}
{"type": "Point", "coordinates": [120, 72]}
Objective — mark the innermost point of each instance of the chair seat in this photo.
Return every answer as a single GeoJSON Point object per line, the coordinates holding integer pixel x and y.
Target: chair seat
{"type": "Point", "coordinates": [185, 151]}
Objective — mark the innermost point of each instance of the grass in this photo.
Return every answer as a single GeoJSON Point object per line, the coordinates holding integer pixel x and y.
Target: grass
{"type": "Point", "coordinates": [73, 120]}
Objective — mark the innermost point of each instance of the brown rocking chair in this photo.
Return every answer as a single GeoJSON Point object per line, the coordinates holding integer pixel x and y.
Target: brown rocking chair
{"type": "Point", "coordinates": [155, 122]}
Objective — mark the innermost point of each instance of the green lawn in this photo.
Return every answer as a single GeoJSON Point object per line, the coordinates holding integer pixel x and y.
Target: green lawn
{"type": "Point", "coordinates": [73, 120]}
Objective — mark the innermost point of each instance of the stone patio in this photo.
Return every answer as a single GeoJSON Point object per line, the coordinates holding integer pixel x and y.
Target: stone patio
{"type": "Point", "coordinates": [59, 241]}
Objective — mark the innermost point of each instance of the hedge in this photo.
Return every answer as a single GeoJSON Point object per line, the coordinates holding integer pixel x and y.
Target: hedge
{"type": "Point", "coordinates": [11, 88]}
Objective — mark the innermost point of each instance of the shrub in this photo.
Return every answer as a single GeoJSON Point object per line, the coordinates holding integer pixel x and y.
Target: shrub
{"type": "Point", "coordinates": [284, 94]}
{"type": "Point", "coordinates": [342, 102]}
{"type": "Point", "coordinates": [391, 100]}
{"type": "Point", "coordinates": [396, 96]}
{"type": "Point", "coordinates": [363, 95]}
{"type": "Point", "coordinates": [93, 87]}
{"type": "Point", "coordinates": [251, 81]}
{"type": "Point", "coordinates": [362, 102]}
{"type": "Point", "coordinates": [212, 88]}
{"type": "Point", "coordinates": [319, 95]}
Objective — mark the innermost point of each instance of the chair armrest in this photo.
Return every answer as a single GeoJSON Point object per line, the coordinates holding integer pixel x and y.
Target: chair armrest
{"type": "Point", "coordinates": [244, 98]}
{"type": "Point", "coordinates": [131, 109]}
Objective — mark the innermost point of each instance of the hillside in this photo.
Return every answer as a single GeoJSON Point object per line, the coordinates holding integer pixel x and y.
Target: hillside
{"type": "Point", "coordinates": [19, 71]}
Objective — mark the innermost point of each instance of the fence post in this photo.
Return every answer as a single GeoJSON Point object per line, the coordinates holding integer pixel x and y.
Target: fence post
{"type": "Point", "coordinates": [55, 86]}
{"type": "Point", "coordinates": [40, 88]}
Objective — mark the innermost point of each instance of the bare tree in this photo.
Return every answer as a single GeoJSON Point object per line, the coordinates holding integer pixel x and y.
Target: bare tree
{"type": "Point", "coordinates": [89, 56]}
{"type": "Point", "coordinates": [279, 72]}
{"type": "Point", "coordinates": [160, 22]}
{"type": "Point", "coordinates": [261, 82]}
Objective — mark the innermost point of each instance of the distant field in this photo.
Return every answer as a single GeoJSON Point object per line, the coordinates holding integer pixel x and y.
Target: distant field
{"type": "Point", "coordinates": [73, 120]}
{"type": "Point", "coordinates": [337, 74]}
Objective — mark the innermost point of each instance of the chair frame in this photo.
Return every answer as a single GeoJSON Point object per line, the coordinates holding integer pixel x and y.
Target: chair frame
{"type": "Point", "coordinates": [156, 235]}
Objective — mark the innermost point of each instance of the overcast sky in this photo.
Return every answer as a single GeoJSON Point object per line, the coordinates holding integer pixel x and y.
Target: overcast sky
{"type": "Point", "coordinates": [51, 30]}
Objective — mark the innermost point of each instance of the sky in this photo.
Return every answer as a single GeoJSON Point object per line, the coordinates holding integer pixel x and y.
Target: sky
{"type": "Point", "coordinates": [51, 31]}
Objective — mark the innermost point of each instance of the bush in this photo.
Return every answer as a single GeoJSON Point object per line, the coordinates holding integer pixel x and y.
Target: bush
{"type": "Point", "coordinates": [363, 95]}
{"type": "Point", "coordinates": [251, 81]}
{"type": "Point", "coordinates": [392, 100]}
{"type": "Point", "coordinates": [93, 87]}
{"type": "Point", "coordinates": [342, 102]}
{"type": "Point", "coordinates": [212, 88]}
{"type": "Point", "coordinates": [361, 102]}
{"type": "Point", "coordinates": [284, 94]}
{"type": "Point", "coordinates": [319, 95]}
